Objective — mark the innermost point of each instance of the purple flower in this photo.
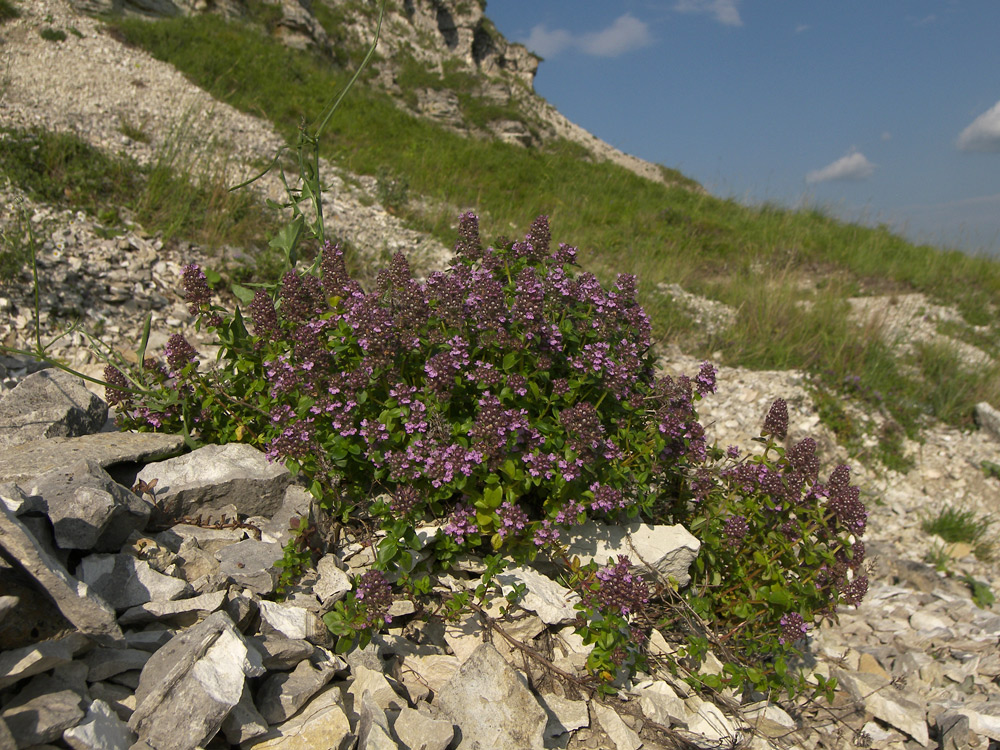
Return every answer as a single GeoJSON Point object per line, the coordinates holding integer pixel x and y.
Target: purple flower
{"type": "Point", "coordinates": [263, 315]}
{"type": "Point", "coordinates": [793, 628]}
{"type": "Point", "coordinates": [114, 377]}
{"type": "Point", "coordinates": [461, 524]}
{"type": "Point", "coordinates": [468, 246]}
{"type": "Point", "coordinates": [776, 421]}
{"type": "Point", "coordinates": [196, 291]}
{"type": "Point", "coordinates": [621, 591]}
{"type": "Point", "coordinates": [735, 528]}
{"type": "Point", "coordinates": [375, 594]}
{"type": "Point", "coordinates": [854, 591]}
{"type": "Point", "coordinates": [705, 379]}
{"type": "Point", "coordinates": [179, 353]}
{"type": "Point", "coordinates": [546, 533]}
{"type": "Point", "coordinates": [404, 500]}
{"type": "Point", "coordinates": [538, 238]}
{"type": "Point", "coordinates": [513, 519]}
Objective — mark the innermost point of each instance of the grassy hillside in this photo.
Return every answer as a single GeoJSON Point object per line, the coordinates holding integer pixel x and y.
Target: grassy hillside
{"type": "Point", "coordinates": [788, 273]}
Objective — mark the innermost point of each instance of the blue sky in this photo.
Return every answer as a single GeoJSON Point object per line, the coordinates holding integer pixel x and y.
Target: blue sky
{"type": "Point", "coordinates": [885, 111]}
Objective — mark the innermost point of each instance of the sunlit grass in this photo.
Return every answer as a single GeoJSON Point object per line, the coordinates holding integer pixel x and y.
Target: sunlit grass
{"type": "Point", "coordinates": [786, 272]}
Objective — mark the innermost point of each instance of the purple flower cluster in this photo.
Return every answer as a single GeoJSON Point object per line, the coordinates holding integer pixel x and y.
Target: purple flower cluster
{"type": "Point", "coordinates": [621, 591]}
{"type": "Point", "coordinates": [776, 421]}
{"type": "Point", "coordinates": [735, 529]}
{"type": "Point", "coordinates": [375, 593]}
{"type": "Point", "coordinates": [196, 291]}
{"type": "Point", "coordinates": [844, 501]}
{"type": "Point", "coordinates": [461, 523]}
{"type": "Point", "coordinates": [793, 628]}
{"type": "Point", "coordinates": [116, 396]}
{"type": "Point", "coordinates": [179, 353]}
{"type": "Point", "coordinates": [513, 520]}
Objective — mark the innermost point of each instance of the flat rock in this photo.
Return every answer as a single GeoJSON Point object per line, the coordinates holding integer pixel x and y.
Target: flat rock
{"type": "Point", "coordinates": [215, 476]}
{"type": "Point", "coordinates": [101, 729]}
{"type": "Point", "coordinates": [886, 703]}
{"type": "Point", "coordinates": [281, 653]}
{"type": "Point", "coordinates": [49, 403]}
{"type": "Point", "coordinates": [492, 706]}
{"type": "Point", "coordinates": [660, 703]}
{"type": "Point", "coordinates": [103, 663]}
{"type": "Point", "coordinates": [90, 614]}
{"type": "Point", "coordinates": [17, 664]}
{"type": "Point", "coordinates": [378, 688]}
{"type": "Point", "coordinates": [244, 722]}
{"type": "Point", "coordinates": [124, 581]}
{"type": "Point", "coordinates": [322, 723]}
{"type": "Point", "coordinates": [28, 460]}
{"type": "Point", "coordinates": [707, 720]}
{"type": "Point", "coordinates": [284, 693]}
{"type": "Point", "coordinates": [42, 718]}
{"type": "Point", "coordinates": [543, 596]}
{"type": "Point", "coordinates": [983, 716]}
{"type": "Point", "coordinates": [333, 583]}
{"type": "Point", "coordinates": [417, 730]}
{"type": "Point", "coordinates": [157, 611]}
{"type": "Point", "coordinates": [623, 737]}
{"type": "Point", "coordinates": [294, 622]}
{"type": "Point", "coordinates": [668, 550]}
{"type": "Point", "coordinates": [89, 510]}
{"type": "Point", "coordinates": [250, 564]}
{"type": "Point", "coordinates": [189, 686]}
{"type": "Point", "coordinates": [565, 715]}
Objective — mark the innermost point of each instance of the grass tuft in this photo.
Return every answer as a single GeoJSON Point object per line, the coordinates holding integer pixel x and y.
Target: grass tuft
{"type": "Point", "coordinates": [956, 525]}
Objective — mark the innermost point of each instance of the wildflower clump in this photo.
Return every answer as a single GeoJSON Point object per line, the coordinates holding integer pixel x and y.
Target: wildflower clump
{"type": "Point", "coordinates": [505, 400]}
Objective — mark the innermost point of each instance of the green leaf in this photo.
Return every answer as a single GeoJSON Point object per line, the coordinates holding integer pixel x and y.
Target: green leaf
{"type": "Point", "coordinates": [493, 497]}
{"type": "Point", "coordinates": [144, 342]}
{"type": "Point", "coordinates": [387, 551]}
{"type": "Point", "coordinates": [243, 294]}
{"type": "Point", "coordinates": [509, 360]}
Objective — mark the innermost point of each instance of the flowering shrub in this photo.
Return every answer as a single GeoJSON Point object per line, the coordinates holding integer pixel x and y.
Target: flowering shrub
{"type": "Point", "coordinates": [509, 399]}
{"type": "Point", "coordinates": [780, 549]}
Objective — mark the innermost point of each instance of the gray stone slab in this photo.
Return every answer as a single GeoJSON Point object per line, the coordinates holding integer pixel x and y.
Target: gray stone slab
{"type": "Point", "coordinates": [322, 723]}
{"type": "Point", "coordinates": [101, 729]}
{"type": "Point", "coordinates": [124, 581]}
{"type": "Point", "coordinates": [17, 664]}
{"type": "Point", "coordinates": [29, 460]}
{"type": "Point", "coordinates": [190, 685]}
{"type": "Point", "coordinates": [50, 403]}
{"type": "Point", "coordinates": [415, 729]}
{"type": "Point", "coordinates": [250, 564]}
{"type": "Point", "coordinates": [103, 663]}
{"type": "Point", "coordinates": [282, 653]}
{"type": "Point", "coordinates": [214, 476]}
{"type": "Point", "coordinates": [90, 614]}
{"type": "Point", "coordinates": [668, 550]}
{"type": "Point", "coordinates": [492, 705]}
{"type": "Point", "coordinates": [89, 510]}
{"type": "Point", "coordinates": [41, 711]}
{"type": "Point", "coordinates": [284, 693]}
{"type": "Point", "coordinates": [158, 611]}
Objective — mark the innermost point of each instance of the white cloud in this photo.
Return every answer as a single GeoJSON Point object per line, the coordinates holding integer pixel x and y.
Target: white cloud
{"type": "Point", "coordinates": [627, 33]}
{"type": "Point", "coordinates": [726, 12]}
{"type": "Point", "coordinates": [886, 135]}
{"type": "Point", "coordinates": [548, 43]}
{"type": "Point", "coordinates": [802, 27]}
{"type": "Point", "coordinates": [983, 133]}
{"type": "Point", "coordinates": [853, 166]}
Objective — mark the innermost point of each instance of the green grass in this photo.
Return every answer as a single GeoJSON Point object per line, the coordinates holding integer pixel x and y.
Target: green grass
{"type": "Point", "coordinates": [756, 258]}
{"type": "Point", "coordinates": [62, 169]}
{"type": "Point", "coordinates": [8, 11]}
{"type": "Point", "coordinates": [955, 525]}
{"type": "Point", "coordinates": [52, 35]}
